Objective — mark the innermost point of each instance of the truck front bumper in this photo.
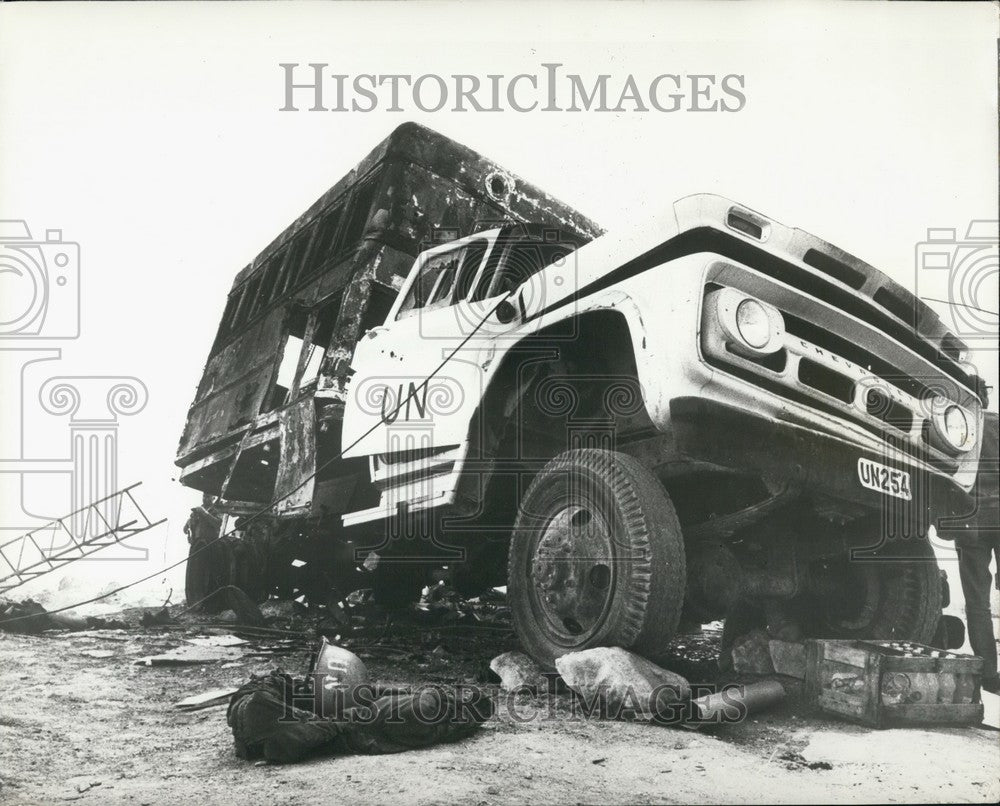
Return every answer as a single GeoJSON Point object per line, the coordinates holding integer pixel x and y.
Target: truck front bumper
{"type": "Point", "coordinates": [784, 453]}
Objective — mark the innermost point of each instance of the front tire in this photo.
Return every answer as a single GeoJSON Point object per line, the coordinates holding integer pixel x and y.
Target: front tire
{"type": "Point", "coordinates": [596, 558]}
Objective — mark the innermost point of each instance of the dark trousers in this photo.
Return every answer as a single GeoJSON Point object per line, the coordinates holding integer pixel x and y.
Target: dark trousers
{"type": "Point", "coordinates": [974, 570]}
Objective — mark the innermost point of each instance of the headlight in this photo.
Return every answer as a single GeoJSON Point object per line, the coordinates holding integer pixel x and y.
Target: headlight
{"type": "Point", "coordinates": [956, 427]}
{"type": "Point", "coordinates": [744, 325]}
{"type": "Point", "coordinates": [753, 323]}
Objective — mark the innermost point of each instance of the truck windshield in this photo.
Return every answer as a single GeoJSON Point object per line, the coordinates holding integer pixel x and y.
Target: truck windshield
{"type": "Point", "coordinates": [444, 279]}
{"type": "Point", "coordinates": [521, 259]}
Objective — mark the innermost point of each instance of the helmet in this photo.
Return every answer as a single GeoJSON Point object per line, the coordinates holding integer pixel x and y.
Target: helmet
{"type": "Point", "coordinates": [336, 676]}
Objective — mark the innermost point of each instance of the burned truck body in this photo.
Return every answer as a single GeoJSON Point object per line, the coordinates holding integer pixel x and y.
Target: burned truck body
{"type": "Point", "coordinates": [706, 415]}
{"type": "Point", "coordinates": [265, 425]}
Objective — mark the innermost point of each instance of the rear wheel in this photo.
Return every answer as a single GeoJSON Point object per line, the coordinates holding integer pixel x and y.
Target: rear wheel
{"type": "Point", "coordinates": [596, 558]}
{"type": "Point", "coordinates": [892, 594]}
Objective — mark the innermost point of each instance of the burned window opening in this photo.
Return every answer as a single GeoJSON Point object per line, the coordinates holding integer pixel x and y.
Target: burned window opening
{"type": "Point", "coordinates": [247, 303]}
{"type": "Point", "coordinates": [360, 209]}
{"type": "Point", "coordinates": [326, 240]}
{"type": "Point", "coordinates": [292, 269]}
{"type": "Point", "coordinates": [269, 282]}
{"type": "Point", "coordinates": [327, 315]}
{"type": "Point", "coordinates": [255, 474]}
{"type": "Point", "coordinates": [298, 319]}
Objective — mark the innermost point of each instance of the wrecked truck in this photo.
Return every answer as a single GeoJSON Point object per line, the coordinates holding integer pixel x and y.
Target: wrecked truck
{"type": "Point", "coordinates": [709, 415]}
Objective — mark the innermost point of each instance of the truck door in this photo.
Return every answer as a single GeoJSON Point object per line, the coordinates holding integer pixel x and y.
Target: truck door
{"type": "Point", "coordinates": [432, 330]}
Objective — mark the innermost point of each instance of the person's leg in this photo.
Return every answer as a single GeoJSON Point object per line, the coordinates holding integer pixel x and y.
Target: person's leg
{"type": "Point", "coordinates": [974, 571]}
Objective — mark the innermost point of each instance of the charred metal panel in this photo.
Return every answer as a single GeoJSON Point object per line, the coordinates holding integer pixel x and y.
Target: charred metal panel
{"type": "Point", "coordinates": [479, 176]}
{"type": "Point", "coordinates": [333, 497]}
{"type": "Point", "coordinates": [359, 238]}
{"type": "Point", "coordinates": [234, 385]}
{"type": "Point", "coordinates": [294, 485]}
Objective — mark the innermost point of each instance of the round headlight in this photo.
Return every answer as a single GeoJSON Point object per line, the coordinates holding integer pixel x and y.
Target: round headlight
{"type": "Point", "coordinates": [753, 323]}
{"type": "Point", "coordinates": [956, 426]}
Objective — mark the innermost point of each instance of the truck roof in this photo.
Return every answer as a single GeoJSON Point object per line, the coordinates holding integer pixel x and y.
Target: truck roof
{"type": "Point", "coordinates": [446, 158]}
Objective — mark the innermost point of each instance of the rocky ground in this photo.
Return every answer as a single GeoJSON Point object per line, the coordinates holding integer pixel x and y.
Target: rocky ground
{"type": "Point", "coordinates": [81, 720]}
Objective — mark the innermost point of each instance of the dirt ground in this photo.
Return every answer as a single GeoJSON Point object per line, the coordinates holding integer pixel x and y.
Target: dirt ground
{"type": "Point", "coordinates": [79, 720]}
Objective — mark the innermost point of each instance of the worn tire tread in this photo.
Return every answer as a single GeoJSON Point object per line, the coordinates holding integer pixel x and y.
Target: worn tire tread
{"type": "Point", "coordinates": [654, 594]}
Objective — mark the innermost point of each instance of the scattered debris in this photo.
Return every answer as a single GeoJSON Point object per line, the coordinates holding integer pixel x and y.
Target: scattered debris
{"type": "Point", "coordinates": [27, 617]}
{"type": "Point", "coordinates": [68, 620]}
{"type": "Point", "coordinates": [217, 640]}
{"type": "Point", "coordinates": [98, 653]}
{"type": "Point", "coordinates": [243, 606]}
{"type": "Point", "coordinates": [159, 619]}
{"type": "Point", "coordinates": [110, 635]}
{"type": "Point", "coordinates": [733, 704]}
{"type": "Point", "coordinates": [624, 681]}
{"type": "Point", "coordinates": [30, 617]}
{"type": "Point", "coordinates": [795, 761]}
{"type": "Point", "coordinates": [278, 609]}
{"type": "Point", "coordinates": [190, 656]}
{"type": "Point", "coordinates": [788, 657]}
{"type": "Point", "coordinates": [207, 699]}
{"type": "Point", "coordinates": [438, 600]}
{"type": "Point", "coordinates": [752, 654]}
{"type": "Point", "coordinates": [97, 623]}
{"type": "Point", "coordinates": [516, 670]}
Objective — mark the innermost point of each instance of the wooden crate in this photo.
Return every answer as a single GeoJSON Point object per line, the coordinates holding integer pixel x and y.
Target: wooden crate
{"type": "Point", "coordinates": [877, 684]}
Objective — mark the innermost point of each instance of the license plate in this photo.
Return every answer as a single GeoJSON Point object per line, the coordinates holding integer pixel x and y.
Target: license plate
{"type": "Point", "coordinates": [884, 479]}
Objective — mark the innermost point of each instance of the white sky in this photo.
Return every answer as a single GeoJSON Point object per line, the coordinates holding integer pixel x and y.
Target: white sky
{"type": "Point", "coordinates": [149, 133]}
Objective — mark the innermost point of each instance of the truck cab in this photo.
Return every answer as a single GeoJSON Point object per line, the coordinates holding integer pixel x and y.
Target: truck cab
{"type": "Point", "coordinates": [709, 413]}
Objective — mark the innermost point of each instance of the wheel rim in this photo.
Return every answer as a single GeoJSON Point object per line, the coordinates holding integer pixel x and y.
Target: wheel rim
{"type": "Point", "coordinates": [856, 605]}
{"type": "Point", "coordinates": [571, 576]}
{"type": "Point", "coordinates": [855, 593]}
